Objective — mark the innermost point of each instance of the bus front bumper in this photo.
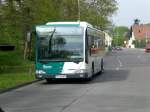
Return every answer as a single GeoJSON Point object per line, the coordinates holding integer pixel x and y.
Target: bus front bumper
{"type": "Point", "coordinates": [62, 76]}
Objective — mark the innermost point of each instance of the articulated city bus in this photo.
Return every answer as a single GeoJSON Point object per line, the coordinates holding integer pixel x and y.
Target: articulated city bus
{"type": "Point", "coordinates": [68, 50]}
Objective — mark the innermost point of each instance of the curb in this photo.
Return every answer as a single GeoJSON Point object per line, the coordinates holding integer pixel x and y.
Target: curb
{"type": "Point", "coordinates": [18, 86]}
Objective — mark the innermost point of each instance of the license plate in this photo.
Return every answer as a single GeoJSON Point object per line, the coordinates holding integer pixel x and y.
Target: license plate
{"type": "Point", "coordinates": [61, 76]}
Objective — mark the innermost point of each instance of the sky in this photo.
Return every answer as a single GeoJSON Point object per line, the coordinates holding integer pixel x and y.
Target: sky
{"type": "Point", "coordinates": [130, 10]}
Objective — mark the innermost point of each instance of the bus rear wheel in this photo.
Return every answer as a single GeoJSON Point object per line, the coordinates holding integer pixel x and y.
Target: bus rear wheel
{"type": "Point", "coordinates": [93, 69]}
{"type": "Point", "coordinates": [102, 66]}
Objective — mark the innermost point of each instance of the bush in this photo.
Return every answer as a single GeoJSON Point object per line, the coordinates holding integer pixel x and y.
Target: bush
{"type": "Point", "coordinates": [140, 43]}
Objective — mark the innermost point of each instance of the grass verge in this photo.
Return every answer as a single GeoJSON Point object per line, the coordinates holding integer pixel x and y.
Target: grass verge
{"type": "Point", "coordinates": [8, 80]}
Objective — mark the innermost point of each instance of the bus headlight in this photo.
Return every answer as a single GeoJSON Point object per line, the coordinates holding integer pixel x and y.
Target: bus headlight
{"type": "Point", "coordinates": [40, 72]}
{"type": "Point", "coordinates": [81, 71]}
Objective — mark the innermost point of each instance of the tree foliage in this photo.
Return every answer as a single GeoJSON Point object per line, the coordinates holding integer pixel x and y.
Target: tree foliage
{"type": "Point", "coordinates": [99, 12]}
{"type": "Point", "coordinates": [121, 34]}
{"type": "Point", "coordinates": [17, 17]}
{"type": "Point", "coordinates": [141, 43]}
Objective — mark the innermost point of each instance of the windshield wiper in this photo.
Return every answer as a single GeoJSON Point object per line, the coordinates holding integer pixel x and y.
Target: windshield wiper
{"type": "Point", "coordinates": [50, 40]}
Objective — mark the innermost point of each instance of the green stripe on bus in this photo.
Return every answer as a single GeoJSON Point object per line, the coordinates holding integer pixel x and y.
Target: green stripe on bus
{"type": "Point", "coordinates": [51, 68]}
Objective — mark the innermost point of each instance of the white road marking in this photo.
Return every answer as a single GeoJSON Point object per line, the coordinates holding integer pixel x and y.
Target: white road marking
{"type": "Point", "coordinates": [120, 63]}
{"type": "Point", "coordinates": [117, 69]}
{"type": "Point", "coordinates": [141, 58]}
{"type": "Point", "coordinates": [138, 56]}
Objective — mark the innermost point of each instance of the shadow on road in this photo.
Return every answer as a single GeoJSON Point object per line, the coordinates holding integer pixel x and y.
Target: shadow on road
{"type": "Point", "coordinates": [66, 81]}
{"type": "Point", "coordinates": [1, 110]}
{"type": "Point", "coordinates": [111, 75]}
{"type": "Point", "coordinates": [108, 76]}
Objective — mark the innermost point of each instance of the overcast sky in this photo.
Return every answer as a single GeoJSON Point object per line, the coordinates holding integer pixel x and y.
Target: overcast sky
{"type": "Point", "coordinates": [130, 10]}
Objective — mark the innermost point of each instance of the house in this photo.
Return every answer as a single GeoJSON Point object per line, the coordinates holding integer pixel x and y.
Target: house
{"type": "Point", "coordinates": [139, 32]}
{"type": "Point", "coordinates": [108, 40]}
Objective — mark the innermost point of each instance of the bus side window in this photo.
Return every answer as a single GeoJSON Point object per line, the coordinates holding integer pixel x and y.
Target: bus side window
{"type": "Point", "coordinates": [94, 45]}
{"type": "Point", "coordinates": [89, 44]}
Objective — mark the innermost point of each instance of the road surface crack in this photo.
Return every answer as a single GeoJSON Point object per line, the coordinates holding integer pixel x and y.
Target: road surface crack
{"type": "Point", "coordinates": [74, 100]}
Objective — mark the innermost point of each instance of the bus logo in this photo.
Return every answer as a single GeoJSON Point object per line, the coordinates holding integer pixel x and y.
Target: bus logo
{"type": "Point", "coordinates": [47, 67]}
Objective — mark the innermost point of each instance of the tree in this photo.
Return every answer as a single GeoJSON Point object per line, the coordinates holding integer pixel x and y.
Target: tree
{"type": "Point", "coordinates": [121, 34]}
{"type": "Point", "coordinates": [69, 10]}
{"type": "Point", "coordinates": [98, 12]}
{"type": "Point", "coordinates": [17, 17]}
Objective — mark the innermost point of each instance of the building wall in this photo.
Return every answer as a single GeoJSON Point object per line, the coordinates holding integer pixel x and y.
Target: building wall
{"type": "Point", "coordinates": [108, 40]}
{"type": "Point", "coordinates": [139, 32]}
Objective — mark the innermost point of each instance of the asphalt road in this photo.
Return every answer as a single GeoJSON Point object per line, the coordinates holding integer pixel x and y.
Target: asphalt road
{"type": "Point", "coordinates": [123, 87]}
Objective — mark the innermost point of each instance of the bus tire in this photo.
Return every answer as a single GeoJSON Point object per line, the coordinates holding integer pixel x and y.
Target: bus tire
{"type": "Point", "coordinates": [102, 66]}
{"type": "Point", "coordinates": [88, 79]}
{"type": "Point", "coordinates": [48, 80]}
{"type": "Point", "coordinates": [92, 69]}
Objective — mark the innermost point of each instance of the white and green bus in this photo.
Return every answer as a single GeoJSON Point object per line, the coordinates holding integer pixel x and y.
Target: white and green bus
{"type": "Point", "coordinates": [68, 50]}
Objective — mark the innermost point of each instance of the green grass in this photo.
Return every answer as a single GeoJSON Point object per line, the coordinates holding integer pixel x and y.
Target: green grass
{"type": "Point", "coordinates": [13, 58]}
{"type": "Point", "coordinates": [14, 70]}
{"type": "Point", "coordinates": [8, 80]}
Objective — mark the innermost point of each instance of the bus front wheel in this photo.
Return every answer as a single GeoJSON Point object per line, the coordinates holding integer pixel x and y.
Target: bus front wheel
{"type": "Point", "coordinates": [48, 80]}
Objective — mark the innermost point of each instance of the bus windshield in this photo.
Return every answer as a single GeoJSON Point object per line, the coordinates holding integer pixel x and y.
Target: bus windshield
{"type": "Point", "coordinates": [60, 44]}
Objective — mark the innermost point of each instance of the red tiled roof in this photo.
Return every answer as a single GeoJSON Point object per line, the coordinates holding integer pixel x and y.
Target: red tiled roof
{"type": "Point", "coordinates": [141, 31]}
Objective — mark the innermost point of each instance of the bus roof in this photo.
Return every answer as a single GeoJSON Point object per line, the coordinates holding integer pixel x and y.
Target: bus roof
{"type": "Point", "coordinates": [82, 23]}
